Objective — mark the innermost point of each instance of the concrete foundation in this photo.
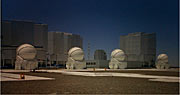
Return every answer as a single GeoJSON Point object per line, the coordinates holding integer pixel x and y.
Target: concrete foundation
{"type": "Point", "coordinates": [72, 64]}
{"type": "Point", "coordinates": [26, 64]}
{"type": "Point", "coordinates": [115, 64]}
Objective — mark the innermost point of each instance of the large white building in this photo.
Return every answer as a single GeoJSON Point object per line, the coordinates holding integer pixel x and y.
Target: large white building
{"type": "Point", "coordinates": [100, 55]}
{"type": "Point", "coordinates": [140, 49]}
{"type": "Point", "coordinates": [59, 44]}
{"type": "Point", "coordinates": [100, 60]}
{"type": "Point", "coordinates": [41, 39]}
{"type": "Point", "coordinates": [16, 33]}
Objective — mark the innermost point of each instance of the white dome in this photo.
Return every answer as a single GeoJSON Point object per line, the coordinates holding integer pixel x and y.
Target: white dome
{"type": "Point", "coordinates": [26, 51]}
{"type": "Point", "coordinates": [118, 54]}
{"type": "Point", "coordinates": [163, 57]}
{"type": "Point", "coordinates": [162, 62]}
{"type": "Point", "coordinates": [76, 53]}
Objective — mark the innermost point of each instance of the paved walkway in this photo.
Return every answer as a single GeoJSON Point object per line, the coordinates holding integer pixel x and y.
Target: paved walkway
{"type": "Point", "coordinates": [130, 75]}
{"type": "Point", "coordinates": [96, 69]}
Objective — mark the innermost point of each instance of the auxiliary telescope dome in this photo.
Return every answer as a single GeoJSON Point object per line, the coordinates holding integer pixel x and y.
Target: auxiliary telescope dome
{"type": "Point", "coordinates": [162, 62]}
{"type": "Point", "coordinates": [118, 54]}
{"type": "Point", "coordinates": [76, 53]}
{"type": "Point", "coordinates": [26, 51]}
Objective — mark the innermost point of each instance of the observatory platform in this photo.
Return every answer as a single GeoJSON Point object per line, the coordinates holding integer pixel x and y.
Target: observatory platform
{"type": "Point", "coordinates": [98, 81]}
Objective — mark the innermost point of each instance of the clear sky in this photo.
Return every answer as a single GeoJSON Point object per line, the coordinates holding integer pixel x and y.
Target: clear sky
{"type": "Point", "coordinates": [101, 22]}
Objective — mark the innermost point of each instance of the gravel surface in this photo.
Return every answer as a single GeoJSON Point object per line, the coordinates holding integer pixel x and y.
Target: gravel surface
{"type": "Point", "coordinates": [68, 84]}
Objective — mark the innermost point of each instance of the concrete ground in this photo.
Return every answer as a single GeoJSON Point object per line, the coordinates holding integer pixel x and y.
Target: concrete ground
{"type": "Point", "coordinates": [96, 82]}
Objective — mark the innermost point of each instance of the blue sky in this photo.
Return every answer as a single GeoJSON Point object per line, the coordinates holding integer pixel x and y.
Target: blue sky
{"type": "Point", "coordinates": [101, 22]}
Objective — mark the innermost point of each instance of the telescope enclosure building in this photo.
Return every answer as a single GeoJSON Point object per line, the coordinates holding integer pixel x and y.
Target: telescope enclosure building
{"type": "Point", "coordinates": [140, 49]}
